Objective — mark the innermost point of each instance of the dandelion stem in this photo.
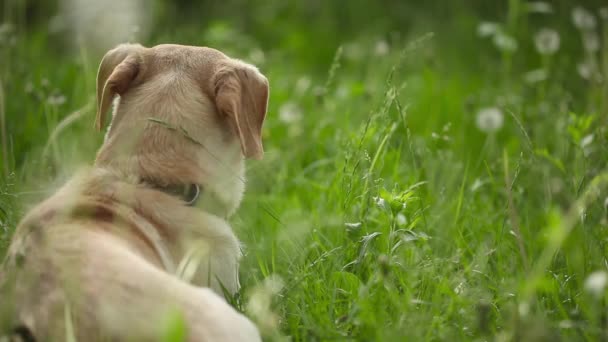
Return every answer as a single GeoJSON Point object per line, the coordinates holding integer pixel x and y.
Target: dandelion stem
{"type": "Point", "coordinates": [513, 217]}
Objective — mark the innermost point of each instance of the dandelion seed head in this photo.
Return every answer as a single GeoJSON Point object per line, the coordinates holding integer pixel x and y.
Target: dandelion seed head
{"type": "Point", "coordinates": [539, 7]}
{"type": "Point", "coordinates": [102, 24]}
{"type": "Point", "coordinates": [6, 32]}
{"type": "Point", "coordinates": [596, 282]}
{"type": "Point", "coordinates": [56, 100]}
{"type": "Point", "coordinates": [591, 41]}
{"type": "Point", "coordinates": [256, 56]}
{"type": "Point", "coordinates": [583, 19]}
{"type": "Point", "coordinates": [535, 76]}
{"type": "Point", "coordinates": [524, 309]}
{"type": "Point", "coordinates": [259, 304]}
{"type": "Point", "coordinates": [505, 42]}
{"type": "Point", "coordinates": [489, 120]}
{"type": "Point", "coordinates": [381, 48]}
{"type": "Point", "coordinates": [290, 113]}
{"type": "Point", "coordinates": [302, 85]}
{"type": "Point", "coordinates": [547, 41]}
{"type": "Point", "coordinates": [487, 29]}
{"type": "Point", "coordinates": [585, 70]}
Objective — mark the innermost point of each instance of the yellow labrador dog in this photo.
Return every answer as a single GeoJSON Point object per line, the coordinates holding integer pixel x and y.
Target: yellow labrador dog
{"type": "Point", "coordinates": [140, 239]}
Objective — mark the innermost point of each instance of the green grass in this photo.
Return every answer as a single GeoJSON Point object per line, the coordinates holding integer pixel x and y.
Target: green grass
{"type": "Point", "coordinates": [381, 211]}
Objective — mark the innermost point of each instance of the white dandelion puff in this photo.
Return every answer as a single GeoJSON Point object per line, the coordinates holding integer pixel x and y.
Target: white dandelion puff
{"type": "Point", "coordinates": [489, 120]}
{"type": "Point", "coordinates": [591, 41]}
{"type": "Point", "coordinates": [505, 42]}
{"type": "Point", "coordinates": [596, 282]}
{"type": "Point", "coordinates": [259, 304]}
{"type": "Point", "coordinates": [586, 69]}
{"type": "Point", "coordinates": [523, 309]}
{"type": "Point", "coordinates": [302, 85]}
{"type": "Point", "coordinates": [487, 29]}
{"type": "Point", "coordinates": [604, 13]}
{"type": "Point", "coordinates": [101, 24]}
{"type": "Point", "coordinates": [290, 113]}
{"type": "Point", "coordinates": [547, 41]}
{"type": "Point", "coordinates": [381, 48]}
{"type": "Point", "coordinates": [535, 76]}
{"type": "Point", "coordinates": [539, 7]}
{"type": "Point", "coordinates": [583, 19]}
{"type": "Point", "coordinates": [56, 100]}
{"type": "Point", "coordinates": [257, 56]}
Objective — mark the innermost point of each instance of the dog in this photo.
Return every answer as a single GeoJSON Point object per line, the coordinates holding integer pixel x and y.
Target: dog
{"type": "Point", "coordinates": [139, 239]}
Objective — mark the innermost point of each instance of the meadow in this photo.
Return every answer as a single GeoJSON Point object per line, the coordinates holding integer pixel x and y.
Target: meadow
{"type": "Point", "coordinates": [432, 171]}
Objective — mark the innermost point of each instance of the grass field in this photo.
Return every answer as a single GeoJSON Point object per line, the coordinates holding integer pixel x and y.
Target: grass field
{"type": "Point", "coordinates": [446, 181]}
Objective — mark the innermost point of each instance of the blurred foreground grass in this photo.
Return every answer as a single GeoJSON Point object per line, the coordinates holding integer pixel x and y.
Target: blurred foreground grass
{"type": "Point", "coordinates": [433, 172]}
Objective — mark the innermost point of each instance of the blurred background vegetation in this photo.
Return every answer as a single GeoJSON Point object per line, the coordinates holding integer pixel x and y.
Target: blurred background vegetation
{"type": "Point", "coordinates": [442, 160]}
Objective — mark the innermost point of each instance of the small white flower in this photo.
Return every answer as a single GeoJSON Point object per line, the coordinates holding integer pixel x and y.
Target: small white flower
{"type": "Point", "coordinates": [524, 309]}
{"type": "Point", "coordinates": [547, 41]}
{"type": "Point", "coordinates": [591, 41]}
{"type": "Point", "coordinates": [381, 48]}
{"type": "Point", "coordinates": [401, 219]}
{"type": "Point", "coordinates": [290, 113]}
{"type": "Point", "coordinates": [487, 29]}
{"type": "Point", "coordinates": [380, 201]}
{"type": "Point", "coordinates": [583, 19]}
{"type": "Point", "coordinates": [596, 282]}
{"type": "Point", "coordinates": [539, 7]}
{"type": "Point", "coordinates": [505, 42]}
{"type": "Point", "coordinates": [478, 183]}
{"type": "Point", "coordinates": [56, 100]}
{"type": "Point", "coordinates": [489, 120]}
{"type": "Point", "coordinates": [459, 288]}
{"type": "Point", "coordinates": [566, 324]}
{"type": "Point", "coordinates": [535, 76]}
{"type": "Point", "coordinates": [588, 139]}
{"type": "Point", "coordinates": [586, 144]}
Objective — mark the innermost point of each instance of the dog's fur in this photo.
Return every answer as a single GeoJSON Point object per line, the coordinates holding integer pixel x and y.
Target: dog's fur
{"type": "Point", "coordinates": [102, 252]}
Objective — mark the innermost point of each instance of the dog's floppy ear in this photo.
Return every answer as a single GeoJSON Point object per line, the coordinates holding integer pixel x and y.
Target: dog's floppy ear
{"type": "Point", "coordinates": [241, 93]}
{"type": "Point", "coordinates": [117, 70]}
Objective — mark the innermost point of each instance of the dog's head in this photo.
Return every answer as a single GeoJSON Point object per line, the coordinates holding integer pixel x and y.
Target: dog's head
{"type": "Point", "coordinates": [185, 115]}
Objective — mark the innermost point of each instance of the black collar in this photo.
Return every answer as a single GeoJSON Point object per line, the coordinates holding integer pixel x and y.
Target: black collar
{"type": "Point", "coordinates": [188, 193]}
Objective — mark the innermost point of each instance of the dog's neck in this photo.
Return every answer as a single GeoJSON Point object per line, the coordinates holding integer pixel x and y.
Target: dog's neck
{"type": "Point", "coordinates": [188, 193]}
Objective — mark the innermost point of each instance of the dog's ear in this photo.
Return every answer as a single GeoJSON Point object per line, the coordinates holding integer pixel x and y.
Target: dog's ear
{"type": "Point", "coordinates": [117, 70]}
{"type": "Point", "coordinates": [241, 93]}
